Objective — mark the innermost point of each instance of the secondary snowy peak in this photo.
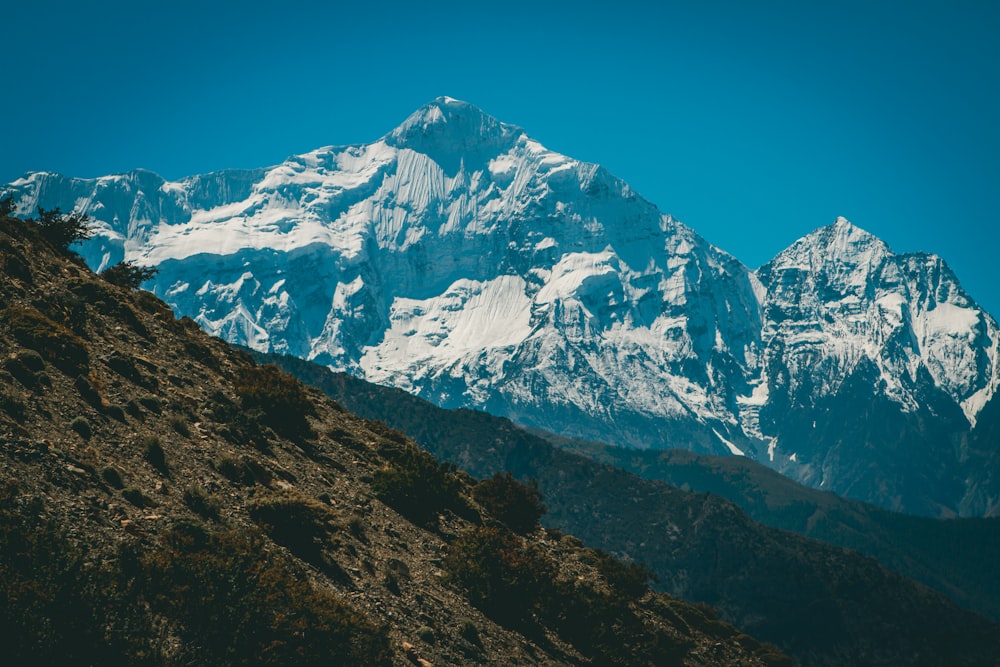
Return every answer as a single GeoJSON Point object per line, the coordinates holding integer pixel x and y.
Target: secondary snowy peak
{"type": "Point", "coordinates": [839, 298]}
{"type": "Point", "coordinates": [839, 256]}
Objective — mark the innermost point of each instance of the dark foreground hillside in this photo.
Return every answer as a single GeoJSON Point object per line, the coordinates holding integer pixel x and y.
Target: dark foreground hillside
{"type": "Point", "coordinates": [822, 604]}
{"type": "Point", "coordinates": [166, 501]}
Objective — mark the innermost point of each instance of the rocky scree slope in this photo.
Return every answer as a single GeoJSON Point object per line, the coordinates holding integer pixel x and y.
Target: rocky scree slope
{"type": "Point", "coordinates": [461, 260]}
{"type": "Point", "coordinates": [163, 499]}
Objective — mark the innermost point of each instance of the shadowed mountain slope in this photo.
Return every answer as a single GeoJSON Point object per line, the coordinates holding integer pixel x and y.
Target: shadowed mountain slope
{"type": "Point", "coordinates": [164, 500]}
{"type": "Point", "coordinates": [822, 604]}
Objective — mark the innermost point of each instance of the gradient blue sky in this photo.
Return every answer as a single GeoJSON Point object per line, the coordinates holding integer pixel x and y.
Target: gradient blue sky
{"type": "Point", "coordinates": [754, 123]}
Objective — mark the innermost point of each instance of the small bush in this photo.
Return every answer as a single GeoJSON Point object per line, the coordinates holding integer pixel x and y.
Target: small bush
{"type": "Point", "coordinates": [470, 632]}
{"type": "Point", "coordinates": [16, 367]}
{"type": "Point", "coordinates": [128, 274]}
{"type": "Point", "coordinates": [201, 503]}
{"type": "Point", "coordinates": [82, 427]}
{"type": "Point", "coordinates": [516, 505]}
{"type": "Point", "coordinates": [53, 341]}
{"type": "Point", "coordinates": [391, 583]}
{"type": "Point", "coordinates": [31, 360]}
{"type": "Point", "coordinates": [63, 230]}
{"type": "Point", "coordinates": [13, 405]}
{"type": "Point", "coordinates": [504, 577]}
{"type": "Point", "coordinates": [280, 399]}
{"type": "Point", "coordinates": [629, 579]}
{"type": "Point", "coordinates": [151, 403]}
{"type": "Point", "coordinates": [294, 521]}
{"type": "Point", "coordinates": [116, 412]}
{"type": "Point", "coordinates": [112, 476]}
{"type": "Point", "coordinates": [415, 484]}
{"type": "Point", "coordinates": [356, 527]}
{"type": "Point", "coordinates": [88, 391]}
{"type": "Point", "coordinates": [426, 634]}
{"type": "Point", "coordinates": [235, 470]}
{"type": "Point", "coordinates": [152, 451]}
{"type": "Point", "coordinates": [135, 496]}
{"type": "Point", "coordinates": [180, 426]}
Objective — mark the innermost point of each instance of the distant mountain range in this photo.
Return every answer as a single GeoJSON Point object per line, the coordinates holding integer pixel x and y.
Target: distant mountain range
{"type": "Point", "coordinates": [460, 260]}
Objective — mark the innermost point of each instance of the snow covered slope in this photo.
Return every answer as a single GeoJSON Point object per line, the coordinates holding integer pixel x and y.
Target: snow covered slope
{"type": "Point", "coordinates": [461, 260]}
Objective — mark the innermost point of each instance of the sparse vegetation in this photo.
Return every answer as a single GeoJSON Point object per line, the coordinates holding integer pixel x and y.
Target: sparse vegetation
{"type": "Point", "coordinates": [82, 427]}
{"type": "Point", "coordinates": [180, 425]}
{"type": "Point", "coordinates": [112, 476]}
{"type": "Point", "coordinates": [53, 341]}
{"type": "Point", "coordinates": [235, 470]}
{"type": "Point", "coordinates": [280, 400]}
{"type": "Point", "coordinates": [229, 596]}
{"type": "Point", "coordinates": [152, 451]}
{"type": "Point", "coordinates": [292, 520]}
{"type": "Point", "coordinates": [63, 229]}
{"type": "Point", "coordinates": [13, 405]}
{"type": "Point", "coordinates": [201, 502]}
{"type": "Point", "coordinates": [135, 496]}
{"type": "Point", "coordinates": [503, 576]}
{"type": "Point", "coordinates": [128, 274]}
{"type": "Point", "coordinates": [516, 505]}
{"type": "Point", "coordinates": [629, 579]}
{"type": "Point", "coordinates": [223, 598]}
{"type": "Point", "coordinates": [415, 484]}
{"type": "Point", "coordinates": [151, 403]}
{"type": "Point", "coordinates": [426, 634]}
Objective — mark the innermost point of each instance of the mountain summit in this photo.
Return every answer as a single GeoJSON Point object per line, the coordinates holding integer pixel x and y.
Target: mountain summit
{"type": "Point", "coordinates": [461, 260]}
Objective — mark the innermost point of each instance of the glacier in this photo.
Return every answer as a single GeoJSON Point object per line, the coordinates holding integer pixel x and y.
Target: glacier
{"type": "Point", "coordinates": [459, 259]}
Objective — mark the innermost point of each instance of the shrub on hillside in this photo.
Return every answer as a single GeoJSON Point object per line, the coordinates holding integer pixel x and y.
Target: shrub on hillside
{"type": "Point", "coordinates": [234, 601]}
{"type": "Point", "coordinates": [299, 523]}
{"type": "Point", "coordinates": [415, 484]}
{"type": "Point", "coordinates": [82, 427]}
{"type": "Point", "coordinates": [63, 348]}
{"type": "Point", "coordinates": [516, 505]}
{"type": "Point", "coordinates": [629, 579]}
{"type": "Point", "coordinates": [505, 578]}
{"type": "Point", "coordinates": [63, 229]}
{"type": "Point", "coordinates": [152, 451]}
{"type": "Point", "coordinates": [221, 598]}
{"type": "Point", "coordinates": [280, 400]}
{"type": "Point", "coordinates": [13, 404]}
{"type": "Point", "coordinates": [201, 502]}
{"type": "Point", "coordinates": [53, 610]}
{"type": "Point", "coordinates": [128, 274]}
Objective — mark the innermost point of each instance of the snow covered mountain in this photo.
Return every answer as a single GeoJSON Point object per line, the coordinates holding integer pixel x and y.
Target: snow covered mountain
{"type": "Point", "coordinates": [463, 261]}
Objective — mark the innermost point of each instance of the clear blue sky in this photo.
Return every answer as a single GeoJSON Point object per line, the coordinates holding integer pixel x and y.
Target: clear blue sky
{"type": "Point", "coordinates": [754, 123]}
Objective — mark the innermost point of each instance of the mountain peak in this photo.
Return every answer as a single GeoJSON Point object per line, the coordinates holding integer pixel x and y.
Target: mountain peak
{"type": "Point", "coordinates": [837, 243]}
{"type": "Point", "coordinates": [453, 133]}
